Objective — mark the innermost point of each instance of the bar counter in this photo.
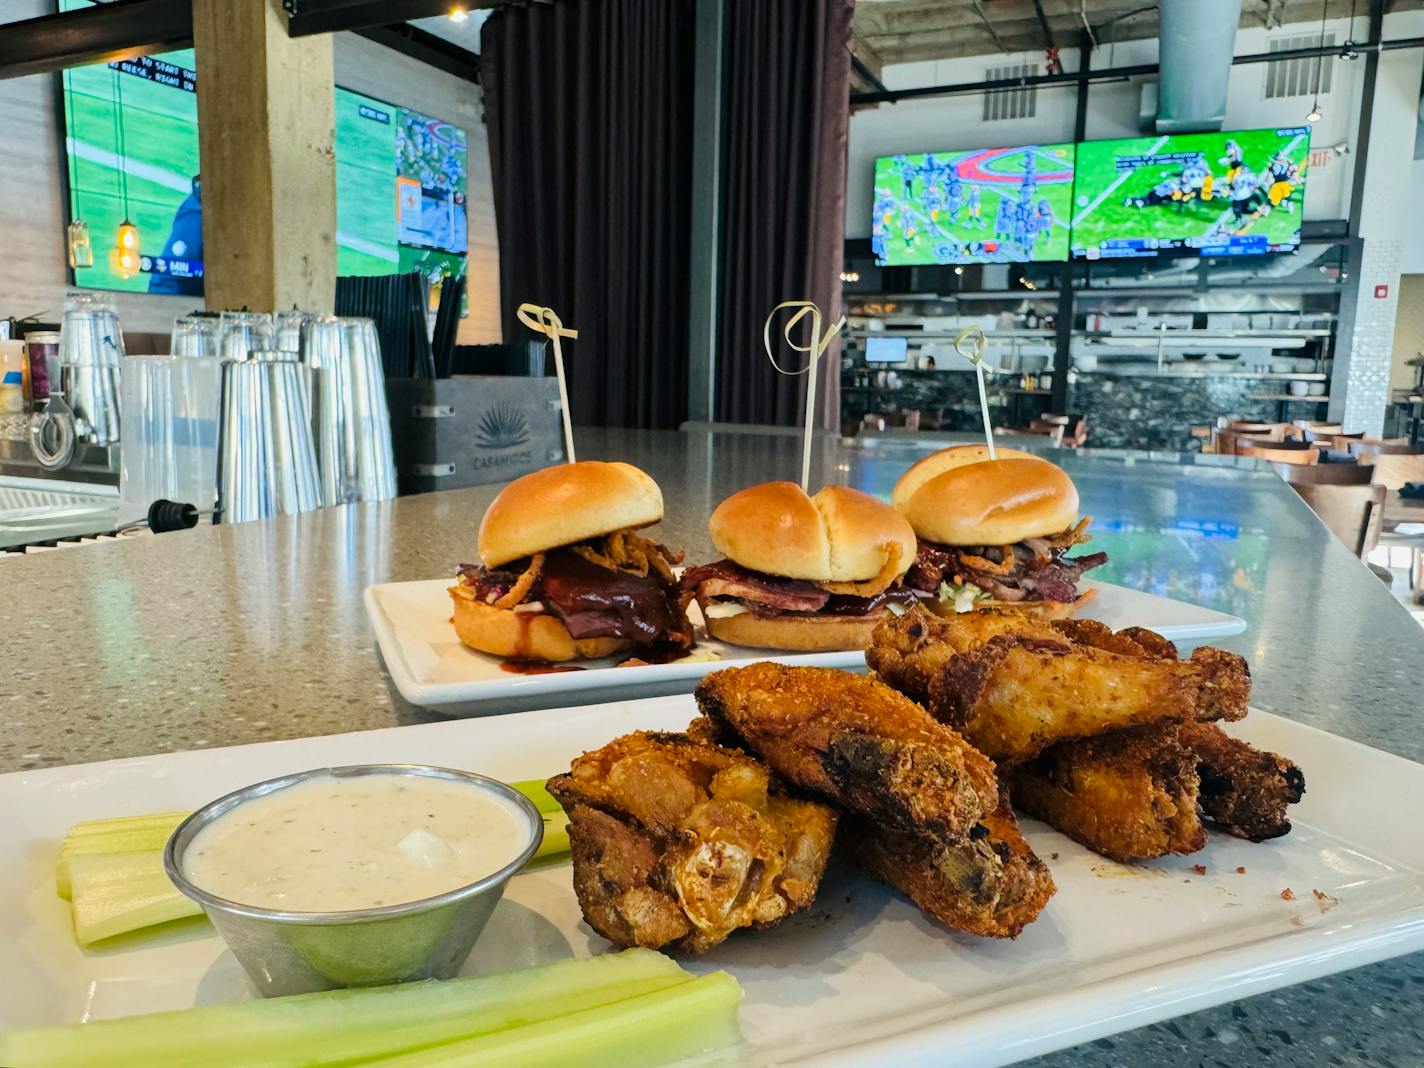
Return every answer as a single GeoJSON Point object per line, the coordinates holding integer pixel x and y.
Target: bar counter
{"type": "Point", "coordinates": [254, 632]}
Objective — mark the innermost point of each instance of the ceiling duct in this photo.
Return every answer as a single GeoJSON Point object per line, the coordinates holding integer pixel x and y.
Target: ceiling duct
{"type": "Point", "coordinates": [1195, 41]}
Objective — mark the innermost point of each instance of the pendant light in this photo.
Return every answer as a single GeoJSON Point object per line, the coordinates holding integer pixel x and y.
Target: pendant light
{"type": "Point", "coordinates": [125, 257]}
{"type": "Point", "coordinates": [1315, 114]}
{"type": "Point", "coordinates": [77, 243]}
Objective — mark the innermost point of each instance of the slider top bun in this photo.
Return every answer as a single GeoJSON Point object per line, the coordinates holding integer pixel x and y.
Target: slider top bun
{"type": "Point", "coordinates": [563, 504]}
{"type": "Point", "coordinates": [958, 496]}
{"type": "Point", "coordinates": [837, 535]}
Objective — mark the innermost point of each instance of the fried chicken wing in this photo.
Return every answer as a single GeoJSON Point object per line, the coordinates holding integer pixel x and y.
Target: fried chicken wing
{"type": "Point", "coordinates": [1129, 795]}
{"type": "Point", "coordinates": [676, 843]}
{"type": "Point", "coordinates": [857, 742]}
{"type": "Point", "coordinates": [1013, 686]}
{"type": "Point", "coordinates": [1244, 790]}
{"type": "Point", "coordinates": [990, 884]}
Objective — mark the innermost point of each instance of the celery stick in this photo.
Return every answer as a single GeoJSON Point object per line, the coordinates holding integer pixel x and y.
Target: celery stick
{"type": "Point", "coordinates": [536, 791]}
{"type": "Point", "coordinates": [342, 1026]}
{"type": "Point", "coordinates": [556, 835]}
{"type": "Point", "coordinates": [113, 824]}
{"type": "Point", "coordinates": [656, 1028]}
{"type": "Point", "coordinates": [115, 893]}
{"type": "Point", "coordinates": [130, 834]}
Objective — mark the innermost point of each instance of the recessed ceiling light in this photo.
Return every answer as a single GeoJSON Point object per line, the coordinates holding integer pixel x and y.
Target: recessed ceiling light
{"type": "Point", "coordinates": [458, 14]}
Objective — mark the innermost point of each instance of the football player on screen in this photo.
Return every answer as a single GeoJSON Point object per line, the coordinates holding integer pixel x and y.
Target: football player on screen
{"type": "Point", "coordinates": [1284, 177]}
{"type": "Point", "coordinates": [1232, 160]}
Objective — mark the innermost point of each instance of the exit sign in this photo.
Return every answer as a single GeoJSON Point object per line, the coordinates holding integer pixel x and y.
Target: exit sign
{"type": "Point", "coordinates": [1381, 292]}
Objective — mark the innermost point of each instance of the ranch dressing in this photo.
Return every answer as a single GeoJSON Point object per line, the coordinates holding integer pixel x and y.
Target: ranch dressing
{"type": "Point", "coordinates": [338, 844]}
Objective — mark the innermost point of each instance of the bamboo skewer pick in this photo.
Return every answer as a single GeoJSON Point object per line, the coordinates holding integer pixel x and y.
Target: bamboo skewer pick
{"type": "Point", "coordinates": [545, 321]}
{"type": "Point", "coordinates": [973, 338]}
{"type": "Point", "coordinates": [814, 350]}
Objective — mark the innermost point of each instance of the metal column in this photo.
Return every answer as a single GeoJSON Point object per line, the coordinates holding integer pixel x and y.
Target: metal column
{"type": "Point", "coordinates": [1067, 306]}
{"type": "Point", "coordinates": [704, 244]}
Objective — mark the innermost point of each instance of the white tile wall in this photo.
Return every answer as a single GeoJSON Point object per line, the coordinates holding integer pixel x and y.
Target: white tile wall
{"type": "Point", "coordinates": [1371, 351]}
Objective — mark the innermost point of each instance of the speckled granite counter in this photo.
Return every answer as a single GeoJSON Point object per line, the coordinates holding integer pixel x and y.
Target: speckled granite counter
{"type": "Point", "coordinates": [225, 635]}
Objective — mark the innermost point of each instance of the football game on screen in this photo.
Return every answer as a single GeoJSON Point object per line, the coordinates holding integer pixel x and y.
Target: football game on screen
{"type": "Point", "coordinates": [1217, 194]}
{"type": "Point", "coordinates": [988, 205]}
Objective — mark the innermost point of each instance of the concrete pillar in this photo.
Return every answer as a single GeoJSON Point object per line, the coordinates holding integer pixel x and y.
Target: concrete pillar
{"type": "Point", "coordinates": [1359, 387]}
{"type": "Point", "coordinates": [265, 120]}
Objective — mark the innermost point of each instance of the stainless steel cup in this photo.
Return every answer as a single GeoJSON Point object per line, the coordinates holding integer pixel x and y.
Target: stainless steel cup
{"type": "Point", "coordinates": [298, 952]}
{"type": "Point", "coordinates": [351, 421]}
{"type": "Point", "coordinates": [266, 458]}
{"type": "Point", "coordinates": [90, 369]}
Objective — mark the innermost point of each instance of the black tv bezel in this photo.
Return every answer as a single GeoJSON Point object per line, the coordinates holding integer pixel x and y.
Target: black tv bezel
{"type": "Point", "coordinates": [1158, 255]}
{"type": "Point", "coordinates": [1187, 252]}
{"type": "Point", "coordinates": [983, 148]}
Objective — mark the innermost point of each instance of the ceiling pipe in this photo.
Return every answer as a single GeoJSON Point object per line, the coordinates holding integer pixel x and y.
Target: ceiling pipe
{"type": "Point", "coordinates": [1196, 39]}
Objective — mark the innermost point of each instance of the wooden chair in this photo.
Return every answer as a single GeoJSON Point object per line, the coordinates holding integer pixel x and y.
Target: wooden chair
{"type": "Point", "coordinates": [1315, 427]}
{"type": "Point", "coordinates": [1318, 474]}
{"type": "Point", "coordinates": [1278, 452]}
{"type": "Point", "coordinates": [1392, 469]}
{"type": "Point", "coordinates": [1050, 427]}
{"type": "Point", "coordinates": [1384, 446]}
{"type": "Point", "coordinates": [1274, 431]}
{"type": "Point", "coordinates": [1353, 513]}
{"type": "Point", "coordinates": [1322, 435]}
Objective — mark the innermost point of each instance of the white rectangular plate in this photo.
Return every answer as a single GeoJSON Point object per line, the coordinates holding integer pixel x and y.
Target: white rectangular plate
{"type": "Point", "coordinates": [431, 668]}
{"type": "Point", "coordinates": [858, 978]}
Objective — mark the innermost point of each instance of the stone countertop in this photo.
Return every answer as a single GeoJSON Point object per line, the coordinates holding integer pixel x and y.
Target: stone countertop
{"type": "Point", "coordinates": [247, 633]}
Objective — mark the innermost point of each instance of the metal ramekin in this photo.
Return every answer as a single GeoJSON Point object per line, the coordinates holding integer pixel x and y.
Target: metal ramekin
{"type": "Point", "coordinates": [298, 952]}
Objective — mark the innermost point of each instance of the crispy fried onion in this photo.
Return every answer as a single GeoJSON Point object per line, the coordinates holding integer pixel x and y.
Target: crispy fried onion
{"type": "Point", "coordinates": [1074, 535]}
{"type": "Point", "coordinates": [627, 550]}
{"type": "Point", "coordinates": [524, 584]}
{"type": "Point", "coordinates": [987, 566]}
{"type": "Point", "coordinates": [889, 572]}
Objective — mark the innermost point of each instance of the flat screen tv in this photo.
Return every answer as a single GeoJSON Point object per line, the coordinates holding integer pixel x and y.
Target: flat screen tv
{"type": "Point", "coordinates": [886, 349]}
{"type": "Point", "coordinates": [131, 148]}
{"type": "Point", "coordinates": [1210, 194]}
{"type": "Point", "coordinates": [986, 205]}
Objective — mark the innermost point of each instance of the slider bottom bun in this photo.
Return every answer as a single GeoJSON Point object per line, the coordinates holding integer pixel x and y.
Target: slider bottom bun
{"type": "Point", "coordinates": [524, 635]}
{"type": "Point", "coordinates": [1046, 610]}
{"type": "Point", "coordinates": [802, 633]}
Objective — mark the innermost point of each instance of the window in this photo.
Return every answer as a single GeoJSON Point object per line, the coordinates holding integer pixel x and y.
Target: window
{"type": "Point", "coordinates": [1019, 103]}
{"type": "Point", "coordinates": [1298, 77]}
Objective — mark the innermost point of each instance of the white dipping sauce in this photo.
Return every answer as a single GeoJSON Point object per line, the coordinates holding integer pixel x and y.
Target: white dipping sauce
{"type": "Point", "coordinates": [338, 844]}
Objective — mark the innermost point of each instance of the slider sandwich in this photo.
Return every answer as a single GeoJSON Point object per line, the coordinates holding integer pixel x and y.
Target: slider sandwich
{"type": "Point", "coordinates": [803, 572]}
{"type": "Point", "coordinates": [995, 533]}
{"type": "Point", "coordinates": [566, 575]}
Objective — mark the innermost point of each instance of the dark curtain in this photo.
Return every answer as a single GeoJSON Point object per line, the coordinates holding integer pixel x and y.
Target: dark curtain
{"type": "Point", "coordinates": [586, 105]}
{"type": "Point", "coordinates": [787, 80]}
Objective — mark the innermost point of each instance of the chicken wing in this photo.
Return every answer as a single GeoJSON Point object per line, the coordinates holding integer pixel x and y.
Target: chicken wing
{"type": "Point", "coordinates": [676, 843]}
{"type": "Point", "coordinates": [857, 742]}
{"type": "Point", "coordinates": [990, 884]}
{"type": "Point", "coordinates": [1013, 687]}
{"type": "Point", "coordinates": [1129, 795]}
{"type": "Point", "coordinates": [1244, 790]}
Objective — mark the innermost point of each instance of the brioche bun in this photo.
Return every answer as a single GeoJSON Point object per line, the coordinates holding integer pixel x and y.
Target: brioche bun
{"type": "Point", "coordinates": [522, 635]}
{"type": "Point", "coordinates": [563, 504]}
{"type": "Point", "coordinates": [1044, 610]}
{"type": "Point", "coordinates": [959, 496]}
{"type": "Point", "coordinates": [801, 633]}
{"type": "Point", "coordinates": [837, 535]}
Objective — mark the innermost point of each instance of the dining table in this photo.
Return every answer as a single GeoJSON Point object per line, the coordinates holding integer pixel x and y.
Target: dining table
{"type": "Point", "coordinates": [250, 632]}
